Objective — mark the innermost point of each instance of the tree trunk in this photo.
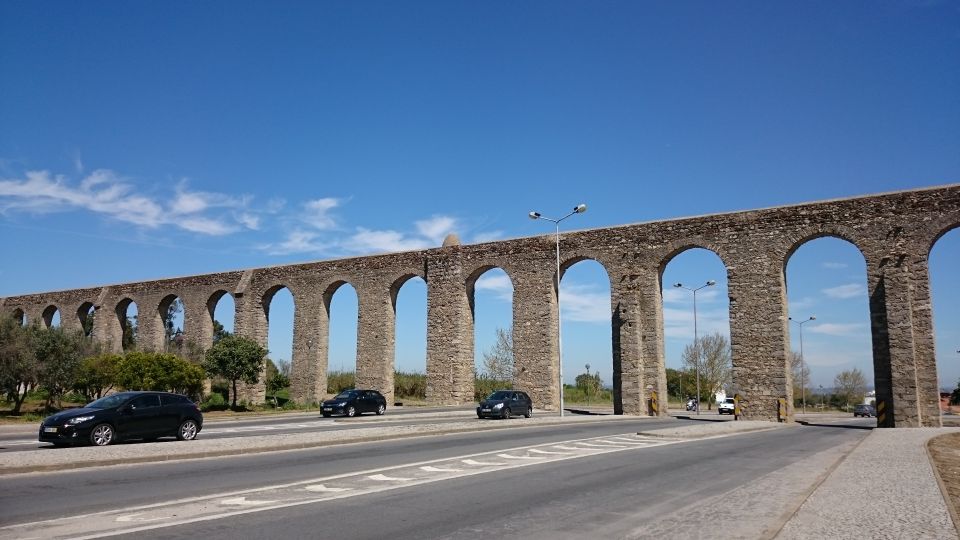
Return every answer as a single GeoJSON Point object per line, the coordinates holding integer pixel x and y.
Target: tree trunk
{"type": "Point", "coordinates": [234, 394]}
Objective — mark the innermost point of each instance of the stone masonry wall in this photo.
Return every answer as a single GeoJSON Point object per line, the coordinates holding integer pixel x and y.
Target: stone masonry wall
{"type": "Point", "coordinates": [894, 232]}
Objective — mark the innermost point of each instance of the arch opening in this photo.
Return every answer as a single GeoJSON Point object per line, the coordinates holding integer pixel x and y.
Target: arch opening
{"type": "Point", "coordinates": [20, 316]}
{"type": "Point", "coordinates": [221, 308]}
{"type": "Point", "coordinates": [279, 308]}
{"type": "Point", "coordinates": [587, 345]}
{"type": "Point", "coordinates": [831, 349]}
{"type": "Point", "coordinates": [409, 297]}
{"type": "Point", "coordinates": [490, 293]}
{"type": "Point", "coordinates": [696, 328]}
{"type": "Point", "coordinates": [171, 314]}
{"type": "Point", "coordinates": [127, 317]}
{"type": "Point", "coordinates": [943, 260]}
{"type": "Point", "coordinates": [341, 303]}
{"type": "Point", "coordinates": [86, 314]}
{"type": "Point", "coordinates": [51, 317]}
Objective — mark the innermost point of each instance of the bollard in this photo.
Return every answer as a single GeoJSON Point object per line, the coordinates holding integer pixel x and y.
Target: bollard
{"type": "Point", "coordinates": [654, 406]}
{"type": "Point", "coordinates": [881, 413]}
{"type": "Point", "coordinates": [736, 406]}
{"type": "Point", "coordinates": [781, 409]}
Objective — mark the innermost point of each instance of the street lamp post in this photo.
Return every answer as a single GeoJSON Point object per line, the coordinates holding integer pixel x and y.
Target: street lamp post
{"type": "Point", "coordinates": [821, 398]}
{"type": "Point", "coordinates": [579, 209]}
{"type": "Point", "coordinates": [803, 386]}
{"type": "Point", "coordinates": [696, 343]}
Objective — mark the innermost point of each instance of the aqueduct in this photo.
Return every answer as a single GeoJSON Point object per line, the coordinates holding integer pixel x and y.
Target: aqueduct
{"type": "Point", "coordinates": [893, 231]}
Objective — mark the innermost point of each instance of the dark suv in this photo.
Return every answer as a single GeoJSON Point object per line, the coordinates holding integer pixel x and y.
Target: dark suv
{"type": "Point", "coordinates": [125, 415]}
{"type": "Point", "coordinates": [504, 404]}
{"type": "Point", "coordinates": [864, 410]}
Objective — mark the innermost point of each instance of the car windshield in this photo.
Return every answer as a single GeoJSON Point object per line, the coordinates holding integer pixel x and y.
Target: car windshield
{"type": "Point", "coordinates": [728, 400]}
{"type": "Point", "coordinates": [499, 396]}
{"type": "Point", "coordinates": [108, 402]}
{"type": "Point", "coordinates": [346, 394]}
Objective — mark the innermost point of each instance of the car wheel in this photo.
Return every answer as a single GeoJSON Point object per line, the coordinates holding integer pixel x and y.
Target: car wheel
{"type": "Point", "coordinates": [102, 435]}
{"type": "Point", "coordinates": [351, 411]}
{"type": "Point", "coordinates": [480, 416]}
{"type": "Point", "coordinates": [506, 413]}
{"type": "Point", "coordinates": [188, 431]}
{"type": "Point", "coordinates": [529, 412]}
{"type": "Point", "coordinates": [381, 409]}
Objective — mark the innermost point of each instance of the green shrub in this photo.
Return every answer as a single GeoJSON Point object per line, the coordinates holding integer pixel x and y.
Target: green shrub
{"type": "Point", "coordinates": [338, 381]}
{"type": "Point", "coordinates": [409, 385]}
{"type": "Point", "coordinates": [290, 406]}
{"type": "Point", "coordinates": [485, 385]}
{"type": "Point", "coordinates": [214, 402]}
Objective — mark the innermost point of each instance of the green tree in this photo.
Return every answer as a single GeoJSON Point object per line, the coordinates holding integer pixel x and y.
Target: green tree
{"type": "Point", "coordinates": [170, 331]}
{"type": "Point", "coordinates": [128, 339]}
{"type": "Point", "coordinates": [97, 375]}
{"type": "Point", "coordinates": [955, 396]}
{"type": "Point", "coordinates": [236, 359]}
{"type": "Point", "coordinates": [219, 332]}
{"type": "Point", "coordinates": [678, 377]}
{"type": "Point", "coordinates": [588, 383]}
{"type": "Point", "coordinates": [498, 361]}
{"type": "Point", "coordinates": [139, 370]}
{"type": "Point", "coordinates": [59, 353]}
{"type": "Point", "coordinates": [18, 363]}
{"type": "Point", "coordinates": [850, 386]}
{"type": "Point", "coordinates": [800, 372]}
{"type": "Point", "coordinates": [716, 365]}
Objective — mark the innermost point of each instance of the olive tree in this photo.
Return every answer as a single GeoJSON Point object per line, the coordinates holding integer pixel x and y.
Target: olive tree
{"type": "Point", "coordinates": [237, 359]}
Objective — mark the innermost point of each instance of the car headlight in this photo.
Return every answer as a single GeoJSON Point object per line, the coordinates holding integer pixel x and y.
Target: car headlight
{"type": "Point", "coordinates": [498, 406]}
{"type": "Point", "coordinates": [342, 404]}
{"type": "Point", "coordinates": [78, 420]}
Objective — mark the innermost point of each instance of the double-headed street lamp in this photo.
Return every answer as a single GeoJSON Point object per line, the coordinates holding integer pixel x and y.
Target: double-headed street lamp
{"type": "Point", "coordinates": [696, 343]}
{"type": "Point", "coordinates": [579, 209]}
{"type": "Point", "coordinates": [803, 387]}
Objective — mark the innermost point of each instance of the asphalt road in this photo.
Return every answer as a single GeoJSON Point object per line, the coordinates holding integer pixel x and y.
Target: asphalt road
{"type": "Point", "coordinates": [554, 481]}
{"type": "Point", "coordinates": [24, 437]}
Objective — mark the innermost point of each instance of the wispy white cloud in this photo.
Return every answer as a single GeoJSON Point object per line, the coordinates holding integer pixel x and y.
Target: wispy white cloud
{"type": "Point", "coordinates": [584, 303]}
{"type": "Point", "coordinates": [367, 241]}
{"type": "Point", "coordinates": [105, 193]}
{"type": "Point", "coordinates": [840, 329]}
{"type": "Point", "coordinates": [489, 236]}
{"type": "Point", "coordinates": [498, 283]}
{"type": "Point", "coordinates": [317, 213]}
{"type": "Point", "coordinates": [802, 303]}
{"type": "Point", "coordinates": [850, 290]}
{"type": "Point", "coordinates": [834, 265]}
{"type": "Point", "coordinates": [297, 241]}
{"type": "Point", "coordinates": [436, 228]}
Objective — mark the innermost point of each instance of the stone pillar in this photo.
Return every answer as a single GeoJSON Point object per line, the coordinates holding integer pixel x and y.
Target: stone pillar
{"type": "Point", "coordinates": [250, 320]}
{"type": "Point", "coordinates": [759, 337]}
{"type": "Point", "coordinates": [375, 340]}
{"type": "Point", "coordinates": [895, 344]}
{"type": "Point", "coordinates": [69, 320]}
{"type": "Point", "coordinates": [924, 344]}
{"type": "Point", "coordinates": [308, 369]}
{"type": "Point", "coordinates": [150, 330]}
{"type": "Point", "coordinates": [449, 330]}
{"type": "Point", "coordinates": [535, 347]}
{"type": "Point", "coordinates": [641, 342]}
{"type": "Point", "coordinates": [197, 321]}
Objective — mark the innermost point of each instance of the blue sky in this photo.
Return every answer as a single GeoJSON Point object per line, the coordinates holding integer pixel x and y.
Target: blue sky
{"type": "Point", "coordinates": [141, 141]}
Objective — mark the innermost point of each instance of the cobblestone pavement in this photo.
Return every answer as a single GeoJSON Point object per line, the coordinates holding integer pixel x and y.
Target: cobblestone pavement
{"type": "Point", "coordinates": [884, 488]}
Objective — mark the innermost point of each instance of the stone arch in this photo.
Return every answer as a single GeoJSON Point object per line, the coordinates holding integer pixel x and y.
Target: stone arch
{"type": "Point", "coordinates": [471, 281]}
{"type": "Point", "coordinates": [207, 323]}
{"type": "Point", "coordinates": [576, 361]}
{"type": "Point", "coordinates": [20, 316]}
{"type": "Point", "coordinates": [85, 316]}
{"type": "Point", "coordinates": [409, 339]}
{"type": "Point", "coordinates": [49, 313]}
{"type": "Point", "coordinates": [168, 330]}
{"type": "Point", "coordinates": [335, 347]}
{"type": "Point", "coordinates": [125, 334]}
{"type": "Point", "coordinates": [942, 227]}
{"type": "Point", "coordinates": [673, 249]}
{"type": "Point", "coordinates": [796, 241]}
{"type": "Point", "coordinates": [838, 297]}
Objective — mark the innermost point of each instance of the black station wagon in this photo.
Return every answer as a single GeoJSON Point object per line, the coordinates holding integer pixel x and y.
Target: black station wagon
{"type": "Point", "coordinates": [123, 416]}
{"type": "Point", "coordinates": [355, 402]}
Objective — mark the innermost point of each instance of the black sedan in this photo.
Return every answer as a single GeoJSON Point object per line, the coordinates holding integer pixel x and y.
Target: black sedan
{"type": "Point", "coordinates": [123, 416]}
{"type": "Point", "coordinates": [504, 404]}
{"type": "Point", "coordinates": [355, 402]}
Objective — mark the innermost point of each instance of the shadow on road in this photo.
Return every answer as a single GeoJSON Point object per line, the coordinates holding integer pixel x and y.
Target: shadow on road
{"type": "Point", "coordinates": [844, 426]}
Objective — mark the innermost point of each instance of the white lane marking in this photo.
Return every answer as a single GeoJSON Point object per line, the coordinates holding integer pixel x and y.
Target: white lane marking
{"type": "Point", "coordinates": [242, 501]}
{"type": "Point", "coordinates": [510, 456]}
{"type": "Point", "coordinates": [538, 451]}
{"type": "Point", "coordinates": [601, 445]}
{"type": "Point", "coordinates": [136, 518]}
{"type": "Point", "coordinates": [385, 478]}
{"type": "Point", "coordinates": [562, 447]}
{"type": "Point", "coordinates": [482, 463]}
{"type": "Point", "coordinates": [324, 489]}
{"type": "Point", "coordinates": [206, 508]}
{"type": "Point", "coordinates": [439, 469]}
